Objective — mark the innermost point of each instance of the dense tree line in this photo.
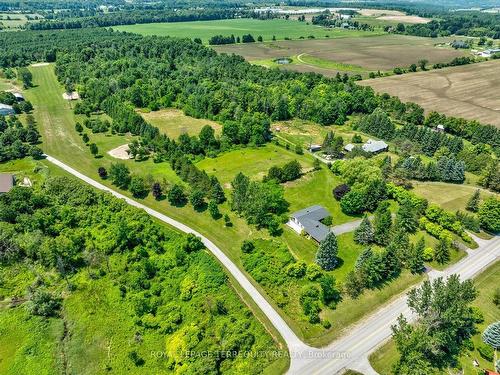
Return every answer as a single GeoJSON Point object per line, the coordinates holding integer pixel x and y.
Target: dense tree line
{"type": "Point", "coordinates": [18, 140]}
{"type": "Point", "coordinates": [138, 17]}
{"type": "Point", "coordinates": [474, 24]}
{"type": "Point", "coordinates": [471, 130]}
{"type": "Point", "coordinates": [261, 203]}
{"type": "Point", "coordinates": [447, 169]}
{"type": "Point", "coordinates": [164, 280]}
{"type": "Point", "coordinates": [327, 20]}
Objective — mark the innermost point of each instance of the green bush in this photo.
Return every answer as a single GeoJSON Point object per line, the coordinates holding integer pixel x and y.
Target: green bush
{"type": "Point", "coordinates": [313, 271]}
{"type": "Point", "coordinates": [486, 352]}
{"type": "Point", "coordinates": [247, 246]}
{"type": "Point", "coordinates": [428, 254]}
{"type": "Point", "coordinates": [296, 270]}
{"type": "Point", "coordinates": [43, 303]}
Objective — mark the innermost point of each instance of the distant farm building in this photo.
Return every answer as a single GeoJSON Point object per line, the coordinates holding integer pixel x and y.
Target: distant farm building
{"type": "Point", "coordinates": [489, 52]}
{"type": "Point", "coordinates": [440, 128]}
{"type": "Point", "coordinates": [71, 95]}
{"type": "Point", "coordinates": [308, 220]}
{"type": "Point", "coordinates": [19, 96]}
{"type": "Point", "coordinates": [6, 182]}
{"type": "Point", "coordinates": [370, 146]}
{"type": "Point", "coordinates": [6, 110]}
{"type": "Point", "coordinates": [314, 148]}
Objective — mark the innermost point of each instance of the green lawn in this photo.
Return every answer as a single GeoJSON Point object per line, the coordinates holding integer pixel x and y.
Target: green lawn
{"type": "Point", "coordinates": [316, 188]}
{"type": "Point", "coordinates": [430, 241]}
{"type": "Point", "coordinates": [28, 342]}
{"type": "Point", "coordinates": [279, 28]}
{"type": "Point", "coordinates": [383, 359]}
{"type": "Point", "coordinates": [451, 197]}
{"type": "Point", "coordinates": [173, 122]}
{"type": "Point", "coordinates": [254, 162]}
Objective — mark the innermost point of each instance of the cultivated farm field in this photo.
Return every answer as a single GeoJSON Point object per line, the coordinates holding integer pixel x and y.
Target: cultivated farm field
{"type": "Point", "coordinates": [377, 52]}
{"type": "Point", "coordinates": [469, 91]}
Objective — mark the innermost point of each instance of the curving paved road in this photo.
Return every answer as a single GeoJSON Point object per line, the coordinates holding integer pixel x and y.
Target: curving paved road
{"type": "Point", "coordinates": [352, 349]}
{"type": "Point", "coordinates": [295, 345]}
{"type": "Point", "coordinates": [365, 337]}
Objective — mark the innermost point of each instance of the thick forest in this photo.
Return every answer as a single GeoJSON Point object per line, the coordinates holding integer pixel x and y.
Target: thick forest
{"type": "Point", "coordinates": [60, 239]}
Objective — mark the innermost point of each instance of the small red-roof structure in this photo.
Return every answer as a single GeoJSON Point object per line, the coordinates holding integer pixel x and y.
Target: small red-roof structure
{"type": "Point", "coordinates": [488, 372]}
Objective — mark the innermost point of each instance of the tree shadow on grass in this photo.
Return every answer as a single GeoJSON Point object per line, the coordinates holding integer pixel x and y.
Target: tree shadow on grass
{"type": "Point", "coordinates": [179, 204]}
{"type": "Point", "coordinates": [201, 208]}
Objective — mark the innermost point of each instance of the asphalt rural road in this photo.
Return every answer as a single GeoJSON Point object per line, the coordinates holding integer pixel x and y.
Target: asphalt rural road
{"type": "Point", "coordinates": [349, 351]}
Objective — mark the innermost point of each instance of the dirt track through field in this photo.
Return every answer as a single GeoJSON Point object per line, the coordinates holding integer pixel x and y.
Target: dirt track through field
{"type": "Point", "coordinates": [471, 91]}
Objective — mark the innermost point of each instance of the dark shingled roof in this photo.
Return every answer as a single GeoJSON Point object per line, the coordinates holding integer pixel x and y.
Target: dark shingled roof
{"type": "Point", "coordinates": [310, 219]}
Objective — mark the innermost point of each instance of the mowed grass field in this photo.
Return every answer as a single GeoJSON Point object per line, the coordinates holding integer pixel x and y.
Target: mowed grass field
{"type": "Point", "coordinates": [451, 197]}
{"type": "Point", "coordinates": [280, 28]}
{"type": "Point", "coordinates": [373, 53]}
{"type": "Point", "coordinates": [15, 20]}
{"type": "Point", "coordinates": [470, 91]}
{"type": "Point", "coordinates": [174, 122]}
{"type": "Point", "coordinates": [486, 283]}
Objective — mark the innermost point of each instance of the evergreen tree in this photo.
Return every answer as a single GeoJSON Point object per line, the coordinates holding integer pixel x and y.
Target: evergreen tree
{"type": "Point", "coordinates": [473, 203]}
{"type": "Point", "coordinates": [370, 268]}
{"type": "Point", "coordinates": [239, 194]}
{"type": "Point", "coordinates": [103, 173]}
{"type": "Point", "coordinates": [93, 149]}
{"type": "Point", "coordinates": [416, 257]}
{"type": "Point", "coordinates": [491, 335]}
{"type": "Point", "coordinates": [326, 257]}
{"type": "Point", "coordinates": [364, 233]}
{"type": "Point", "coordinates": [386, 167]}
{"type": "Point", "coordinates": [490, 178]}
{"type": "Point", "coordinates": [391, 261]}
{"type": "Point", "coordinates": [213, 209]}
{"type": "Point", "coordinates": [378, 124]}
{"type": "Point", "coordinates": [352, 285]}
{"type": "Point", "coordinates": [442, 252]}
{"type": "Point", "coordinates": [382, 224]}
{"type": "Point", "coordinates": [197, 199]}
{"type": "Point", "coordinates": [406, 217]}
{"type": "Point", "coordinates": [327, 142]}
{"type": "Point", "coordinates": [216, 191]}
